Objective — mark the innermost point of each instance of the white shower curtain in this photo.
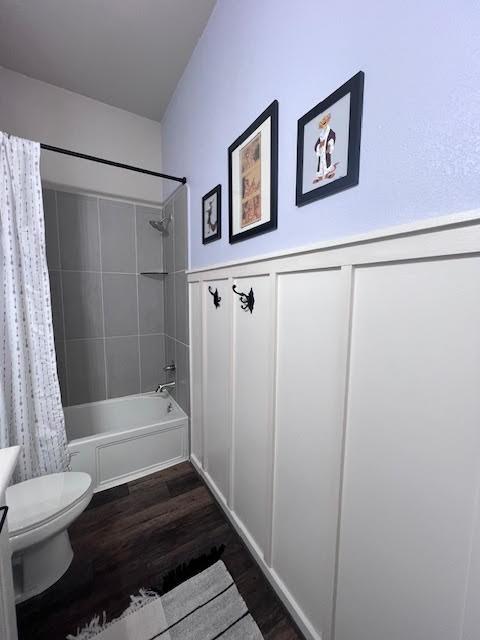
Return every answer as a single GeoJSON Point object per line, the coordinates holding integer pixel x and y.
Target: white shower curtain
{"type": "Point", "coordinates": [31, 413]}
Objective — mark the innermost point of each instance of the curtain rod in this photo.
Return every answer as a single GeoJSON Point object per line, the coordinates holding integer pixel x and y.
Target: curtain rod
{"type": "Point", "coordinates": [129, 167]}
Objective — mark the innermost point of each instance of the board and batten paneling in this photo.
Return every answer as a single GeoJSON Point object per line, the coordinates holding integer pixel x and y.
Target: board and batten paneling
{"type": "Point", "coordinates": [196, 395]}
{"type": "Point", "coordinates": [311, 370]}
{"type": "Point", "coordinates": [340, 424]}
{"type": "Point", "coordinates": [412, 451]}
{"type": "Point", "coordinates": [472, 608]}
{"type": "Point", "coordinates": [252, 398]}
{"type": "Point", "coordinates": [216, 382]}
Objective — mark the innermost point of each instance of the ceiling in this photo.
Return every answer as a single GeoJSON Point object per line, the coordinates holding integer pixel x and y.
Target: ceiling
{"type": "Point", "coordinates": [127, 53]}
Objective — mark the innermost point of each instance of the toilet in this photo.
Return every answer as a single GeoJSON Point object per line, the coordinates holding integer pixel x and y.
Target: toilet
{"type": "Point", "coordinates": [40, 511]}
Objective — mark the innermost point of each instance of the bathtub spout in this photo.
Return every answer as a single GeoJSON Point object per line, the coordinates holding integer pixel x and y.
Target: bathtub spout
{"type": "Point", "coordinates": [162, 387]}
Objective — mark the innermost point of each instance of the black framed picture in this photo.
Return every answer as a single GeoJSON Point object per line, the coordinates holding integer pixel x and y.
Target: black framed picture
{"type": "Point", "coordinates": [328, 143]}
{"type": "Point", "coordinates": [253, 178]}
{"type": "Point", "coordinates": [212, 215]}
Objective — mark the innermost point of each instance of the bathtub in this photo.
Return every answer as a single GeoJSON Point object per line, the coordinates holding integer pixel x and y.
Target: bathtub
{"type": "Point", "coordinates": [118, 440]}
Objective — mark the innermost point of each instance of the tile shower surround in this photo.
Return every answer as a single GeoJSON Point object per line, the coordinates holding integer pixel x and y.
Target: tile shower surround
{"type": "Point", "coordinates": [109, 321]}
{"type": "Point", "coordinates": [177, 339]}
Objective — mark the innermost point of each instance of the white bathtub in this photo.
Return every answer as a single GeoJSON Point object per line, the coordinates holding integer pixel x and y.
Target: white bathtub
{"type": "Point", "coordinates": [118, 440]}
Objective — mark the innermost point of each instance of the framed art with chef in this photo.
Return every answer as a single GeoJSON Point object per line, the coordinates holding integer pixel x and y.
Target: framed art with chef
{"type": "Point", "coordinates": [328, 143]}
{"type": "Point", "coordinates": [212, 215]}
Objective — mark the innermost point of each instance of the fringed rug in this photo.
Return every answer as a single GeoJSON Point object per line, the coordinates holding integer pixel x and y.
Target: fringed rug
{"type": "Point", "coordinates": [205, 607]}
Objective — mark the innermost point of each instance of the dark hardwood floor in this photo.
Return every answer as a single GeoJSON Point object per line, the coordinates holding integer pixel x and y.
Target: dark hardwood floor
{"type": "Point", "coordinates": [130, 537]}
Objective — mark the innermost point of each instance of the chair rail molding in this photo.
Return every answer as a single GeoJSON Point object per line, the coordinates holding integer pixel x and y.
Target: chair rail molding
{"type": "Point", "coordinates": [361, 359]}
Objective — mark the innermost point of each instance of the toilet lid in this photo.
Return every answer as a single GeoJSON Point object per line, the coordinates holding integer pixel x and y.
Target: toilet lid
{"type": "Point", "coordinates": [36, 501]}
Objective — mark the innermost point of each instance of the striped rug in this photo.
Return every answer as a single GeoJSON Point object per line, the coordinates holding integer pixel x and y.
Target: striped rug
{"type": "Point", "coordinates": [206, 607]}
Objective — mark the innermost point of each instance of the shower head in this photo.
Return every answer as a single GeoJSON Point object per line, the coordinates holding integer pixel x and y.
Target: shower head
{"type": "Point", "coordinates": [160, 225]}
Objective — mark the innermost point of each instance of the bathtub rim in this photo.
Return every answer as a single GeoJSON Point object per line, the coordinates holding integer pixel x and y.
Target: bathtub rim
{"type": "Point", "coordinates": [108, 434]}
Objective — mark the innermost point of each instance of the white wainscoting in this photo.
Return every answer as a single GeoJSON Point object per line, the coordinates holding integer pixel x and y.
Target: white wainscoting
{"type": "Point", "coordinates": [216, 383]}
{"type": "Point", "coordinates": [311, 357]}
{"type": "Point", "coordinates": [251, 411]}
{"type": "Point", "coordinates": [339, 426]}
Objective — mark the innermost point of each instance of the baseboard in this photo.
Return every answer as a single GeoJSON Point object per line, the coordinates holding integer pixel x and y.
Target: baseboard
{"type": "Point", "coordinates": [276, 583]}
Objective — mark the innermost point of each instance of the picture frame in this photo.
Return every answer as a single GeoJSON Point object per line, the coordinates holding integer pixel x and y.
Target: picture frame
{"type": "Point", "coordinates": [328, 143]}
{"type": "Point", "coordinates": [212, 215]}
{"type": "Point", "coordinates": [253, 178]}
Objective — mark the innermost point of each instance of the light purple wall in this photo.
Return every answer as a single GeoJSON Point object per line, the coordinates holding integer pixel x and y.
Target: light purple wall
{"type": "Point", "coordinates": [420, 153]}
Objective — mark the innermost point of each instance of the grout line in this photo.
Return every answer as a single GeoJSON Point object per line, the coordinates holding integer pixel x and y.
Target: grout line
{"type": "Point", "coordinates": [173, 276]}
{"type": "Point", "coordinates": [175, 359]}
{"type": "Point", "coordinates": [67, 392]}
{"type": "Point", "coordinates": [111, 273]}
{"type": "Point", "coordinates": [172, 196]}
{"type": "Point", "coordinates": [103, 305]}
{"type": "Point", "coordinates": [130, 335]}
{"type": "Point", "coordinates": [138, 299]}
{"type": "Point", "coordinates": [164, 292]}
{"type": "Point", "coordinates": [100, 196]}
{"type": "Point", "coordinates": [165, 288]}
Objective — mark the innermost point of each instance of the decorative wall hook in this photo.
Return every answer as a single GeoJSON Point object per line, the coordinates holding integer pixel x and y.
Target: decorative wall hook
{"type": "Point", "coordinates": [247, 301]}
{"type": "Point", "coordinates": [216, 297]}
{"type": "Point", "coordinates": [3, 517]}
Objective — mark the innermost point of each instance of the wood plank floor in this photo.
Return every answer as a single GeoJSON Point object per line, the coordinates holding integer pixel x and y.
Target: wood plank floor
{"type": "Point", "coordinates": [129, 538]}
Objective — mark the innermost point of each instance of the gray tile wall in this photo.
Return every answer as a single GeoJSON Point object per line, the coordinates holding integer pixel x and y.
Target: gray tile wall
{"type": "Point", "coordinates": [108, 319]}
{"type": "Point", "coordinates": [176, 300]}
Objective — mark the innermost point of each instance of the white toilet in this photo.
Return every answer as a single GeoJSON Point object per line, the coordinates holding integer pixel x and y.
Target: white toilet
{"type": "Point", "coordinates": [40, 510]}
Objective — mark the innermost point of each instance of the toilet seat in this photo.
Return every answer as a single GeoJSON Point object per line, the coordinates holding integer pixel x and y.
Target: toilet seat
{"type": "Point", "coordinates": [41, 505]}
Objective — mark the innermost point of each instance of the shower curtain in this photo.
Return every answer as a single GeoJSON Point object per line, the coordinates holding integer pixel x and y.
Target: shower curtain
{"type": "Point", "coordinates": [31, 413]}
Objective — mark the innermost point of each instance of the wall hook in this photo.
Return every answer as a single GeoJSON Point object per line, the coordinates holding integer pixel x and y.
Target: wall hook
{"type": "Point", "coordinates": [247, 301]}
{"type": "Point", "coordinates": [216, 297]}
{"type": "Point", "coordinates": [3, 517]}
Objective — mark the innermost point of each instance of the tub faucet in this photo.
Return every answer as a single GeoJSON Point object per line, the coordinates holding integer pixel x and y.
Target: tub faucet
{"type": "Point", "coordinates": [165, 385]}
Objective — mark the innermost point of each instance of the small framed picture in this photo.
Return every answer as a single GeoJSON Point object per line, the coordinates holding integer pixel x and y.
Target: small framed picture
{"type": "Point", "coordinates": [212, 215]}
{"type": "Point", "coordinates": [253, 178]}
{"type": "Point", "coordinates": [328, 143]}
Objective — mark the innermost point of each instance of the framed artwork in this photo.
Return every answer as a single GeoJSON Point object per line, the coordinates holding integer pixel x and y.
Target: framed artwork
{"type": "Point", "coordinates": [328, 143]}
{"type": "Point", "coordinates": [253, 178]}
{"type": "Point", "coordinates": [212, 215]}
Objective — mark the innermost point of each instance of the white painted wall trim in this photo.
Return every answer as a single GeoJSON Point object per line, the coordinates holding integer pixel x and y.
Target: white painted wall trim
{"type": "Point", "coordinates": [410, 245]}
{"type": "Point", "coordinates": [278, 586]}
{"type": "Point", "coordinates": [430, 224]}
{"type": "Point", "coordinates": [348, 276]}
